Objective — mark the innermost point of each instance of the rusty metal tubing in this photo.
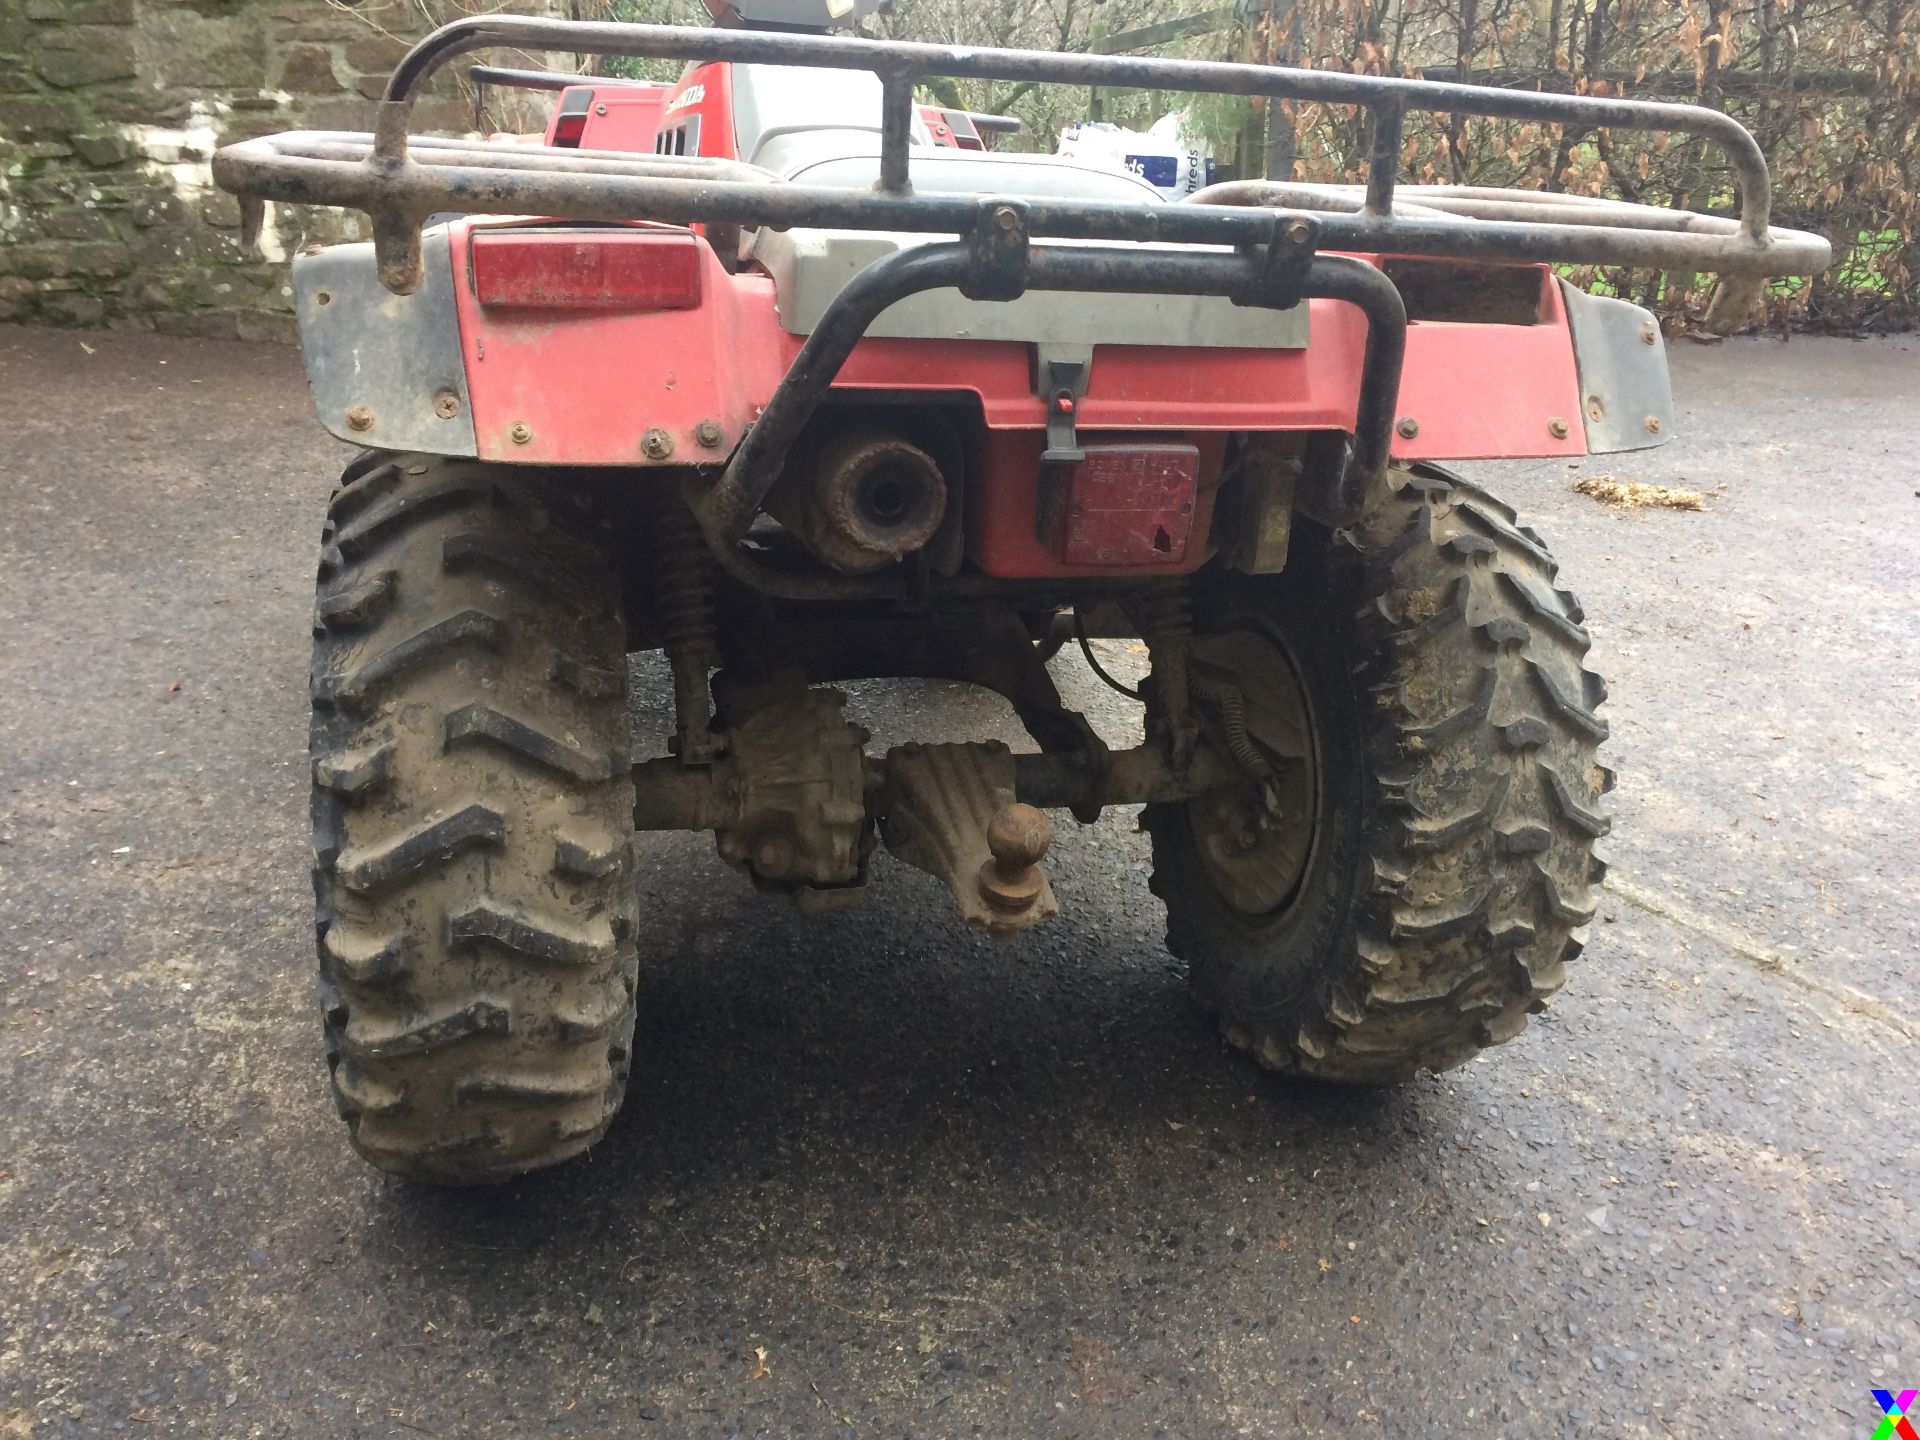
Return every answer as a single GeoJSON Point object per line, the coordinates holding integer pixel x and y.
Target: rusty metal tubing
{"type": "Point", "coordinates": [671, 796]}
{"type": "Point", "coordinates": [896, 133]}
{"type": "Point", "coordinates": [1144, 775]}
{"type": "Point", "coordinates": [1383, 158]}
{"type": "Point", "coordinates": [726, 508]}
{"type": "Point", "coordinates": [440, 153]}
{"type": "Point", "coordinates": [996, 124]}
{"type": "Point", "coordinates": [398, 196]}
{"type": "Point", "coordinates": [499, 75]}
{"type": "Point", "coordinates": [337, 168]}
{"type": "Point", "coordinates": [903, 63]}
{"type": "Point", "coordinates": [308, 169]}
{"type": "Point", "coordinates": [1480, 202]}
{"type": "Point", "coordinates": [1340, 277]}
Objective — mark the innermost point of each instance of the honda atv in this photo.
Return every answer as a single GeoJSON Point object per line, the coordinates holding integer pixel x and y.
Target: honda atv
{"type": "Point", "coordinates": [763, 373]}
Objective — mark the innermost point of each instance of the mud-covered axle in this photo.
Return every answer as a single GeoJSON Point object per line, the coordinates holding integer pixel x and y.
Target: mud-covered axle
{"type": "Point", "coordinates": [797, 802]}
{"type": "Point", "coordinates": [784, 780]}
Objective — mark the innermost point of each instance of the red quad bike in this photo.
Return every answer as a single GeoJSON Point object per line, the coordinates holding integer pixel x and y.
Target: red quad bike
{"type": "Point", "coordinates": [761, 372]}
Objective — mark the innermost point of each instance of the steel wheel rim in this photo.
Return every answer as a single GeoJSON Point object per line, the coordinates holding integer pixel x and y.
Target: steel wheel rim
{"type": "Point", "coordinates": [1256, 841]}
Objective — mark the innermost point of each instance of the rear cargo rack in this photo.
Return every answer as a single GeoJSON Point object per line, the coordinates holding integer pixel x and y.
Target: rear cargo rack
{"type": "Point", "coordinates": [399, 184]}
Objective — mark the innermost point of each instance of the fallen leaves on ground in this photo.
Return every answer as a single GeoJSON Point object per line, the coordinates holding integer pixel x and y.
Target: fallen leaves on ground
{"type": "Point", "coordinates": [1637, 495]}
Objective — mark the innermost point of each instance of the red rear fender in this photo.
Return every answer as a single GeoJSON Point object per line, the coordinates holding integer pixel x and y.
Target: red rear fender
{"type": "Point", "coordinates": [605, 376]}
{"type": "Point", "coordinates": [589, 383]}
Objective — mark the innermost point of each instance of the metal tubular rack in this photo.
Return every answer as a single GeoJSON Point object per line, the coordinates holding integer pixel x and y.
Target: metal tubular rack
{"type": "Point", "coordinates": [398, 184]}
{"type": "Point", "coordinates": [399, 181]}
{"type": "Point", "coordinates": [553, 80]}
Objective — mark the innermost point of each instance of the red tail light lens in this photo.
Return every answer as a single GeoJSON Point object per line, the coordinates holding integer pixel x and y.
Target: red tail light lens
{"type": "Point", "coordinates": [570, 120]}
{"type": "Point", "coordinates": [586, 270]}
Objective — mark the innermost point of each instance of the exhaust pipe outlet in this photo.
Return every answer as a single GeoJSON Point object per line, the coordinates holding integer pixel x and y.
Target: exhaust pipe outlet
{"type": "Point", "coordinates": [866, 498]}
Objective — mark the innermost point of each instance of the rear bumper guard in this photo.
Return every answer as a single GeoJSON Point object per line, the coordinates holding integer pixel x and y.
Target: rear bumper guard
{"type": "Point", "coordinates": [997, 263]}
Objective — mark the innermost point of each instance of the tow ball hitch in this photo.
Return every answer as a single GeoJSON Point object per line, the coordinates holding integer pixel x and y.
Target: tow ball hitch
{"type": "Point", "coordinates": [950, 810]}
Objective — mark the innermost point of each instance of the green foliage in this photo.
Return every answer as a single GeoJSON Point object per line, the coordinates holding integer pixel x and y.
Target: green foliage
{"type": "Point", "coordinates": [1830, 90]}
{"type": "Point", "coordinates": [651, 12]}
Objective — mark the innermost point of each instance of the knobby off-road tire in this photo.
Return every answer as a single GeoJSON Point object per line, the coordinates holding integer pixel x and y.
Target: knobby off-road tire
{"type": "Point", "coordinates": [472, 820]}
{"type": "Point", "coordinates": [1456, 800]}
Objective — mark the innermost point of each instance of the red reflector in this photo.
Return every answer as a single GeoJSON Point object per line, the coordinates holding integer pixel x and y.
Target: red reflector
{"type": "Point", "coordinates": [598, 270]}
{"type": "Point", "coordinates": [567, 130]}
{"type": "Point", "coordinates": [1129, 505]}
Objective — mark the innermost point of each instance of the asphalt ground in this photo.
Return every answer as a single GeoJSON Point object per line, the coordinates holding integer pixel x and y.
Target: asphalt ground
{"type": "Point", "coordinates": [879, 1177]}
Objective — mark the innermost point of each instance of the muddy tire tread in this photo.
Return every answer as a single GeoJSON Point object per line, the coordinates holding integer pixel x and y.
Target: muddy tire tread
{"type": "Point", "coordinates": [1481, 807]}
{"type": "Point", "coordinates": [472, 821]}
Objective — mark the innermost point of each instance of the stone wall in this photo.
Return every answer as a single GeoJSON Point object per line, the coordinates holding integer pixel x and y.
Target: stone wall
{"type": "Point", "coordinates": [109, 111]}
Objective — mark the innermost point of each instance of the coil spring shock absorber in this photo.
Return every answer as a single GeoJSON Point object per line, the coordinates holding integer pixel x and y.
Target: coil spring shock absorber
{"type": "Point", "coordinates": [1165, 614]}
{"type": "Point", "coordinates": [683, 596]}
{"type": "Point", "coordinates": [1166, 623]}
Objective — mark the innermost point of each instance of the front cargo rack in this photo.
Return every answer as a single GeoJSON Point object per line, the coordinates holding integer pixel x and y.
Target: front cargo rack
{"type": "Point", "coordinates": [1275, 234]}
